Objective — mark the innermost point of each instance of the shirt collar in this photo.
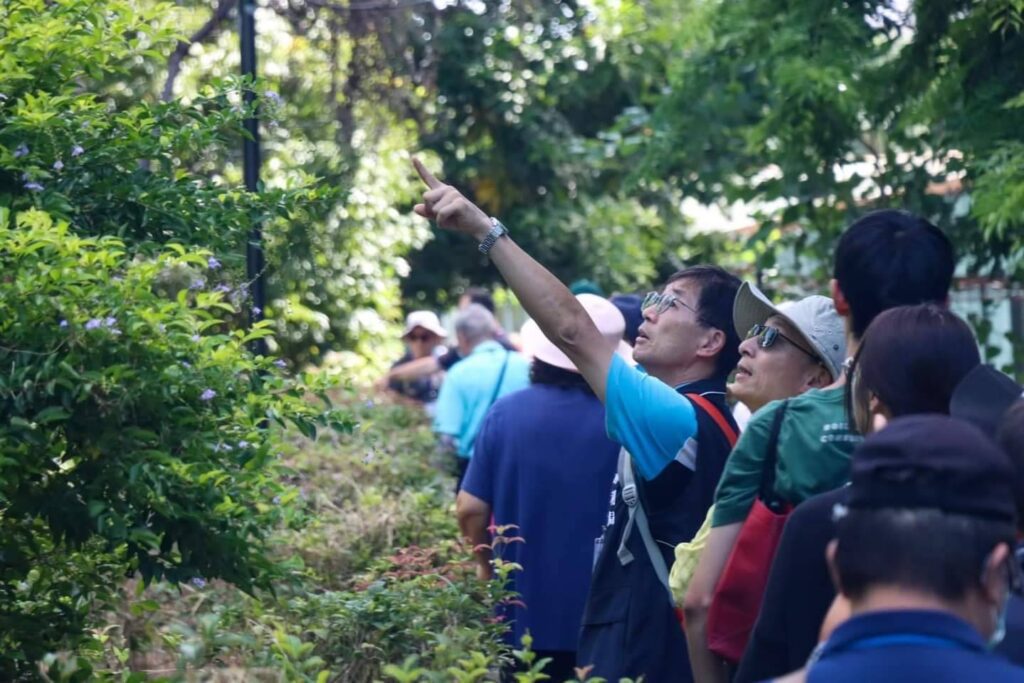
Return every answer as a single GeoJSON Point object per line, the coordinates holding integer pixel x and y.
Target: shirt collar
{"type": "Point", "coordinates": [929, 623]}
{"type": "Point", "coordinates": [702, 386]}
{"type": "Point", "coordinates": [489, 346]}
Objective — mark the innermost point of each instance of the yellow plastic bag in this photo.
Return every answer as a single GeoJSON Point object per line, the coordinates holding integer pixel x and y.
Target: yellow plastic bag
{"type": "Point", "coordinates": [687, 556]}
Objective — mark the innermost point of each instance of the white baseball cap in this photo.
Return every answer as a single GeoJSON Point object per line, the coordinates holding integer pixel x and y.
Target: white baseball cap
{"type": "Point", "coordinates": [814, 318]}
{"type": "Point", "coordinates": [606, 317]}
{"type": "Point", "coordinates": [427, 320]}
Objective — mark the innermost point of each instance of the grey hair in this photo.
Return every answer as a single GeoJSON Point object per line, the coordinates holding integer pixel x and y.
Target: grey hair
{"type": "Point", "coordinates": [475, 324]}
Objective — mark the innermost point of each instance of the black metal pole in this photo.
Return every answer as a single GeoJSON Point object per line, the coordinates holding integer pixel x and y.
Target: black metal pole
{"type": "Point", "coordinates": [255, 264]}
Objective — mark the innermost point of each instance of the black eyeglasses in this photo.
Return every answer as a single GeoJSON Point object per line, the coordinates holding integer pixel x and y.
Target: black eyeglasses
{"type": "Point", "coordinates": [768, 334]}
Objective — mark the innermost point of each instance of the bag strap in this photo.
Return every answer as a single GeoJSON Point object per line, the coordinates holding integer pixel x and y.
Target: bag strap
{"type": "Point", "coordinates": [638, 518]}
{"type": "Point", "coordinates": [501, 378]}
{"type": "Point", "coordinates": [637, 515]}
{"type": "Point", "coordinates": [766, 490]}
{"type": "Point", "coordinates": [715, 414]}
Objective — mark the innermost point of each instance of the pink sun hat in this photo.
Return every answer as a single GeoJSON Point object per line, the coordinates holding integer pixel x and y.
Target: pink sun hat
{"type": "Point", "coordinates": [606, 317]}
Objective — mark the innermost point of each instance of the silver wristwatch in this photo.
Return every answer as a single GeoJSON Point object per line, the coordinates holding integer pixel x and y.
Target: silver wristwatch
{"type": "Point", "coordinates": [497, 231]}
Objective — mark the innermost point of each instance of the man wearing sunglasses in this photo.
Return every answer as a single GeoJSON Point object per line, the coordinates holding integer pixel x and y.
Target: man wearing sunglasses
{"type": "Point", "coordinates": [671, 420]}
{"type": "Point", "coordinates": [423, 337]}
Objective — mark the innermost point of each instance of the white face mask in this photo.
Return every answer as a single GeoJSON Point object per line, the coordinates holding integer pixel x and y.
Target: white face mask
{"type": "Point", "coordinates": [1000, 631]}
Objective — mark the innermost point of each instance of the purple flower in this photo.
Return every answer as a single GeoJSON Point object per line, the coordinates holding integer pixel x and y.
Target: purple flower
{"type": "Point", "coordinates": [368, 457]}
{"type": "Point", "coordinates": [280, 363]}
{"type": "Point", "coordinates": [161, 327]}
{"type": "Point", "coordinates": [369, 403]}
{"type": "Point", "coordinates": [257, 311]}
{"type": "Point", "coordinates": [63, 324]}
{"type": "Point", "coordinates": [197, 284]}
{"type": "Point", "coordinates": [196, 338]}
{"type": "Point", "coordinates": [34, 186]}
{"type": "Point", "coordinates": [110, 321]}
{"type": "Point", "coordinates": [21, 151]}
{"type": "Point", "coordinates": [213, 263]}
{"type": "Point", "coordinates": [185, 364]}
{"type": "Point", "coordinates": [77, 150]}
{"type": "Point", "coordinates": [273, 97]}
{"type": "Point", "coordinates": [199, 582]}
{"type": "Point", "coordinates": [244, 444]}
{"type": "Point", "coordinates": [207, 395]}
{"type": "Point", "coordinates": [93, 323]}
{"type": "Point", "coordinates": [222, 288]}
{"type": "Point", "coordinates": [58, 165]}
{"type": "Point", "coordinates": [277, 500]}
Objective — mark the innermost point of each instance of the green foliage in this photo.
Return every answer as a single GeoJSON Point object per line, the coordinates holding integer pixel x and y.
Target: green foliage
{"type": "Point", "coordinates": [133, 433]}
{"type": "Point", "coordinates": [144, 171]}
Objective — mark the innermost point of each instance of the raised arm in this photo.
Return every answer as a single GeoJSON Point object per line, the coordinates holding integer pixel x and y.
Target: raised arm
{"type": "Point", "coordinates": [542, 295]}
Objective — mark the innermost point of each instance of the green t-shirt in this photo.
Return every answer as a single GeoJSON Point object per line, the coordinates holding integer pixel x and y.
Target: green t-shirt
{"type": "Point", "coordinates": [815, 443]}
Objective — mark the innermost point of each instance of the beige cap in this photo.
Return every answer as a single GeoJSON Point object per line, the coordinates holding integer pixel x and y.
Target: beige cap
{"type": "Point", "coordinates": [427, 320]}
{"type": "Point", "coordinates": [606, 317]}
{"type": "Point", "coordinates": [814, 318]}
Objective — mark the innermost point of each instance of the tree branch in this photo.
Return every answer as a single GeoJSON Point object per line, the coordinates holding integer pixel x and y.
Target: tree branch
{"type": "Point", "coordinates": [221, 13]}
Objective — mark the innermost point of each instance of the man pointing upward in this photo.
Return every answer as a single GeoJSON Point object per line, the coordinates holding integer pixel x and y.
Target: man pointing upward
{"type": "Point", "coordinates": [670, 418]}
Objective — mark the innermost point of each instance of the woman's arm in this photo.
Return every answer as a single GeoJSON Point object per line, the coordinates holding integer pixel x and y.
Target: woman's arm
{"type": "Point", "coordinates": [707, 667]}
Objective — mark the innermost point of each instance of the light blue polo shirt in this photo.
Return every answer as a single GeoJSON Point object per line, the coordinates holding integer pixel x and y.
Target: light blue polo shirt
{"type": "Point", "coordinates": [651, 419]}
{"type": "Point", "coordinates": [468, 387]}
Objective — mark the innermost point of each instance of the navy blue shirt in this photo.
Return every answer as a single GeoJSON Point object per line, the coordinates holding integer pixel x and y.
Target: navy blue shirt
{"type": "Point", "coordinates": [543, 462]}
{"type": "Point", "coordinates": [907, 646]}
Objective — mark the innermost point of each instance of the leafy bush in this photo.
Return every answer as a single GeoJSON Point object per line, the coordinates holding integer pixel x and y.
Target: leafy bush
{"type": "Point", "coordinates": [133, 431]}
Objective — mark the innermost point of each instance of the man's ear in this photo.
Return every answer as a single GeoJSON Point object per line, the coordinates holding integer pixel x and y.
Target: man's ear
{"type": "Point", "coordinates": [830, 560]}
{"type": "Point", "coordinates": [994, 576]}
{"type": "Point", "coordinates": [714, 342]}
{"type": "Point", "coordinates": [839, 299]}
{"type": "Point", "coordinates": [818, 377]}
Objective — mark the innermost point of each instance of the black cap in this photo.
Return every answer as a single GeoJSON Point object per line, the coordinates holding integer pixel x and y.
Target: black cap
{"type": "Point", "coordinates": [933, 461]}
{"type": "Point", "coordinates": [983, 397]}
{"type": "Point", "coordinates": [629, 306]}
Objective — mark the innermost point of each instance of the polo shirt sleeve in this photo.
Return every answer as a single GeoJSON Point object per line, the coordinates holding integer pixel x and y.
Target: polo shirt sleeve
{"type": "Point", "coordinates": [741, 478]}
{"type": "Point", "coordinates": [479, 480]}
{"type": "Point", "coordinates": [450, 409]}
{"type": "Point", "coordinates": [646, 416]}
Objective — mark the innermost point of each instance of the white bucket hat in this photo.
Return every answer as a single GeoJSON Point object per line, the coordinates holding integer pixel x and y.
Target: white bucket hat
{"type": "Point", "coordinates": [606, 317]}
{"type": "Point", "coordinates": [427, 320]}
{"type": "Point", "coordinates": [814, 318]}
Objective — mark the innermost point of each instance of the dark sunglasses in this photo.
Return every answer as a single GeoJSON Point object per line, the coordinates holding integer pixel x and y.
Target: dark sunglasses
{"type": "Point", "coordinates": [419, 337]}
{"type": "Point", "coordinates": [767, 336]}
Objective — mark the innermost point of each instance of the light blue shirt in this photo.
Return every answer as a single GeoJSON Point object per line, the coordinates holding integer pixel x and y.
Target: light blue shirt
{"type": "Point", "coordinates": [651, 419]}
{"type": "Point", "coordinates": [468, 388]}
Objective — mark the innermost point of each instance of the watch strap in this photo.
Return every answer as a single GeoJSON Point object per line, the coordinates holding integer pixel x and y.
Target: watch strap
{"type": "Point", "coordinates": [497, 230]}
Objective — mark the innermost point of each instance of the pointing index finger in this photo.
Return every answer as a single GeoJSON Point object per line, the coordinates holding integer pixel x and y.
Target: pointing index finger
{"type": "Point", "coordinates": [426, 175]}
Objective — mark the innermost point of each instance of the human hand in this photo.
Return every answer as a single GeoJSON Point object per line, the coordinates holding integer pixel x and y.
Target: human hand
{"type": "Point", "coordinates": [449, 208]}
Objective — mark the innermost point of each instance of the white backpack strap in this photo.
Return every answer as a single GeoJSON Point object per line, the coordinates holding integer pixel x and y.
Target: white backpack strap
{"type": "Point", "coordinates": [638, 517]}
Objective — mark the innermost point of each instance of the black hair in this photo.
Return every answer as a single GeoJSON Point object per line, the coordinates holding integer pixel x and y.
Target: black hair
{"type": "Point", "coordinates": [927, 550]}
{"type": "Point", "coordinates": [479, 295]}
{"type": "Point", "coordinates": [911, 358]}
{"type": "Point", "coordinates": [1011, 439]}
{"type": "Point", "coordinates": [891, 258]}
{"type": "Point", "coordinates": [547, 374]}
{"type": "Point", "coordinates": [718, 290]}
